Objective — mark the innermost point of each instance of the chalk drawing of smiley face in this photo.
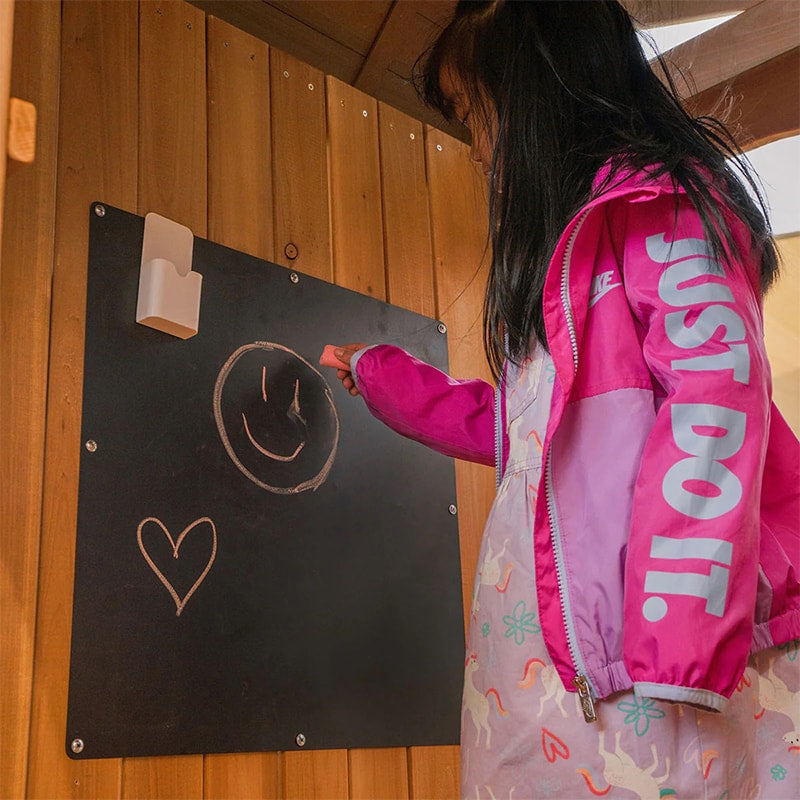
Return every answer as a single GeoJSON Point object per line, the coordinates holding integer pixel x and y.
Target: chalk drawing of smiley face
{"type": "Point", "coordinates": [276, 417]}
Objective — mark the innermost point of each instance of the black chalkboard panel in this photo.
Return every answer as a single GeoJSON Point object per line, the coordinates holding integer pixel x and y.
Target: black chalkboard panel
{"type": "Point", "coordinates": [259, 563]}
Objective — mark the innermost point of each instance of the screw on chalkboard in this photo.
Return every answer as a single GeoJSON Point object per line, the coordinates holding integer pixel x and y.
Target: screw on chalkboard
{"type": "Point", "coordinates": [453, 509]}
{"type": "Point", "coordinates": [294, 278]}
{"type": "Point", "coordinates": [77, 746]}
{"type": "Point", "coordinates": [300, 739]}
{"type": "Point", "coordinates": [91, 446]}
{"type": "Point", "coordinates": [290, 251]}
{"type": "Point", "coordinates": [99, 210]}
{"type": "Point", "coordinates": [441, 327]}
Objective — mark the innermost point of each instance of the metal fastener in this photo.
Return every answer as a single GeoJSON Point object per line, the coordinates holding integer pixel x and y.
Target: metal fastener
{"type": "Point", "coordinates": [77, 746]}
{"type": "Point", "coordinates": [364, 112]}
{"type": "Point", "coordinates": [188, 25]}
{"type": "Point", "coordinates": [227, 44]}
{"type": "Point", "coordinates": [452, 509]}
{"type": "Point", "coordinates": [100, 210]}
{"type": "Point", "coordinates": [290, 251]}
{"type": "Point", "coordinates": [285, 73]}
{"type": "Point", "coordinates": [410, 135]}
{"type": "Point", "coordinates": [294, 278]}
{"type": "Point", "coordinates": [311, 87]}
{"type": "Point", "coordinates": [91, 445]}
{"type": "Point", "coordinates": [438, 147]}
{"type": "Point", "coordinates": [441, 327]}
{"type": "Point", "coordinates": [252, 56]}
{"type": "Point", "coordinates": [300, 739]}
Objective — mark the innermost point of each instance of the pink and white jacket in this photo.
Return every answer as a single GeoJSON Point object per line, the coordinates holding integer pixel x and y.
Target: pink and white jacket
{"type": "Point", "coordinates": [668, 548]}
{"type": "Point", "coordinates": [669, 545]}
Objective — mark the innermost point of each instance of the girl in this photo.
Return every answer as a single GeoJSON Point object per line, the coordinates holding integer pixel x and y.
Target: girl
{"type": "Point", "coordinates": [647, 499]}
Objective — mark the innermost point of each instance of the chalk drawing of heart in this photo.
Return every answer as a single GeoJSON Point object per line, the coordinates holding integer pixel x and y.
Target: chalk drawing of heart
{"type": "Point", "coordinates": [180, 602]}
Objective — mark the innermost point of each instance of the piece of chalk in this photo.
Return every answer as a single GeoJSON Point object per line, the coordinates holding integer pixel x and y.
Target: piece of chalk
{"type": "Point", "coordinates": [328, 359]}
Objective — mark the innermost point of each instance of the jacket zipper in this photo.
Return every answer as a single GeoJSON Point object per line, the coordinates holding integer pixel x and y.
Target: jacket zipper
{"type": "Point", "coordinates": [581, 682]}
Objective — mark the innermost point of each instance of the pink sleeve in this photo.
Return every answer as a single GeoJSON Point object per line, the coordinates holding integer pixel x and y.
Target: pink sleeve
{"type": "Point", "coordinates": [692, 562]}
{"type": "Point", "coordinates": [421, 402]}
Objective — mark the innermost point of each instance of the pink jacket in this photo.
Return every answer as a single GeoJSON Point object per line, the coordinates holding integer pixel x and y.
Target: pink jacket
{"type": "Point", "coordinates": [666, 467]}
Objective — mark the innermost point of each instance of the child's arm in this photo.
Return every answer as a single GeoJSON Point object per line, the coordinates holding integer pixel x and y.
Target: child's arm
{"type": "Point", "coordinates": [692, 566]}
{"type": "Point", "coordinates": [421, 402]}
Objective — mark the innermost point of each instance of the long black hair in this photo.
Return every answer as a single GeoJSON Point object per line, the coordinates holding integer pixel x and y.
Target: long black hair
{"type": "Point", "coordinates": [566, 86]}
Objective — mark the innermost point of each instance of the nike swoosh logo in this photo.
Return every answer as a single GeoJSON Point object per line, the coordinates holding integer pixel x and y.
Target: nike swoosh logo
{"type": "Point", "coordinates": [605, 290]}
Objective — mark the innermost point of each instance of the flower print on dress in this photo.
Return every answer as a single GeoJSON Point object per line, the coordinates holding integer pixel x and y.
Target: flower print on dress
{"type": "Point", "coordinates": [791, 649]}
{"type": "Point", "coordinates": [778, 772]}
{"type": "Point", "coordinates": [520, 622]}
{"type": "Point", "coordinates": [639, 711]}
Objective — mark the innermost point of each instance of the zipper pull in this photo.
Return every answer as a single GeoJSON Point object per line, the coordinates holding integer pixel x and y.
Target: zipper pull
{"type": "Point", "coordinates": [587, 704]}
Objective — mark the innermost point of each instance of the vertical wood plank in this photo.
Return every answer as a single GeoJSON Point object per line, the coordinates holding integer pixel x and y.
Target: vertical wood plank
{"type": "Point", "coordinates": [315, 775]}
{"type": "Point", "coordinates": [96, 160]}
{"type": "Point", "coordinates": [27, 258]}
{"type": "Point", "coordinates": [358, 264]}
{"type": "Point", "coordinates": [6, 49]}
{"type": "Point", "coordinates": [239, 216]}
{"type": "Point", "coordinates": [355, 190]}
{"type": "Point", "coordinates": [459, 224]}
{"type": "Point", "coordinates": [300, 166]}
{"type": "Point", "coordinates": [782, 332]}
{"type": "Point", "coordinates": [239, 146]}
{"type": "Point", "coordinates": [172, 112]}
{"type": "Point", "coordinates": [406, 217]}
{"type": "Point", "coordinates": [172, 182]}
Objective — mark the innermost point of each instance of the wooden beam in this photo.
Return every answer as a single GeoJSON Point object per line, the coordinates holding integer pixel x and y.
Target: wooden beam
{"type": "Point", "coordinates": [286, 33]}
{"type": "Point", "coordinates": [763, 32]}
{"type": "Point", "coordinates": [653, 13]}
{"type": "Point", "coordinates": [352, 23]}
{"type": "Point", "coordinates": [759, 105]}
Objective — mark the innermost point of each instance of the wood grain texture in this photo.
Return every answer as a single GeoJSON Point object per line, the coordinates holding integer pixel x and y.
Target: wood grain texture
{"type": "Point", "coordinates": [96, 161]}
{"type": "Point", "coordinates": [406, 217]}
{"type": "Point", "coordinates": [300, 166]}
{"type": "Point", "coordinates": [459, 219]}
{"type": "Point", "coordinates": [782, 332]}
{"type": "Point", "coordinates": [285, 32]}
{"type": "Point", "coordinates": [172, 112]}
{"type": "Point", "coordinates": [435, 772]}
{"type": "Point", "coordinates": [352, 23]}
{"type": "Point", "coordinates": [315, 775]}
{"type": "Point", "coordinates": [6, 49]}
{"type": "Point", "coordinates": [378, 772]}
{"type": "Point", "coordinates": [758, 106]}
{"type": "Point", "coordinates": [239, 144]}
{"type": "Point", "coordinates": [718, 55]}
{"type": "Point", "coordinates": [27, 260]}
{"type": "Point", "coordinates": [431, 772]}
{"type": "Point", "coordinates": [172, 182]}
{"type": "Point", "coordinates": [170, 777]}
{"type": "Point", "coordinates": [239, 216]}
{"type": "Point", "coordinates": [355, 190]}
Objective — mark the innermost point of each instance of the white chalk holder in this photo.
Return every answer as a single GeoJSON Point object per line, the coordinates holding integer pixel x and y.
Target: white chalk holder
{"type": "Point", "coordinates": [169, 291]}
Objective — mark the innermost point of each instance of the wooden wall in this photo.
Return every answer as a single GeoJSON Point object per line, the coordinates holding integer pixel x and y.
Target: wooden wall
{"type": "Point", "coordinates": [152, 106]}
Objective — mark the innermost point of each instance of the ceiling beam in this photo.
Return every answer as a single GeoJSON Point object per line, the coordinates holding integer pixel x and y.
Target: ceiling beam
{"type": "Point", "coordinates": [758, 106]}
{"type": "Point", "coordinates": [654, 13]}
{"type": "Point", "coordinates": [763, 32]}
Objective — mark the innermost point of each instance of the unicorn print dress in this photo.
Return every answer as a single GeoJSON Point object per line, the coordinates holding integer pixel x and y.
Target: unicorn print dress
{"type": "Point", "coordinates": [523, 736]}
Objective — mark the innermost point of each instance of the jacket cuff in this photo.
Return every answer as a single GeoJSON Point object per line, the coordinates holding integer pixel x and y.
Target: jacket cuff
{"type": "Point", "coordinates": [354, 363]}
{"type": "Point", "coordinates": [704, 698]}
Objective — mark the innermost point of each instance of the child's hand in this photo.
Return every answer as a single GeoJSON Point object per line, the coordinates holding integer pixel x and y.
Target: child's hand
{"type": "Point", "coordinates": [343, 353]}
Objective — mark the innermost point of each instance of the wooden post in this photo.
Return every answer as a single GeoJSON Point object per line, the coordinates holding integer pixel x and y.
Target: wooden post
{"type": "Point", "coordinates": [6, 41]}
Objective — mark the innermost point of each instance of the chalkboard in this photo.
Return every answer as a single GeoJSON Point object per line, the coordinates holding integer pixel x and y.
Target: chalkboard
{"type": "Point", "coordinates": [260, 565]}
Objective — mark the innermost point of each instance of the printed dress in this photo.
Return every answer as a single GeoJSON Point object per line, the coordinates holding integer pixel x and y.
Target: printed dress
{"type": "Point", "coordinates": [523, 736]}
